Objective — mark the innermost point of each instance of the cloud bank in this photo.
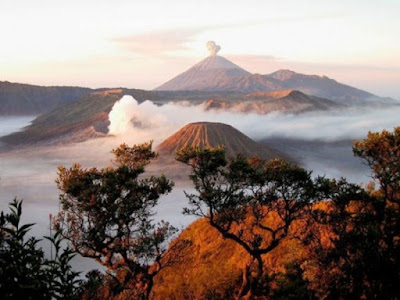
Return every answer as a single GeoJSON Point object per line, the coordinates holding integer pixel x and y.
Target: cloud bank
{"type": "Point", "coordinates": [138, 122]}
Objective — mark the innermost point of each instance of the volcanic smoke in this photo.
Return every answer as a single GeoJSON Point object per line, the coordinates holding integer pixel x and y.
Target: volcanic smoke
{"type": "Point", "coordinates": [213, 48]}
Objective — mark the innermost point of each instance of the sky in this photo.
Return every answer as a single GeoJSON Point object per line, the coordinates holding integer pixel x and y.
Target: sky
{"type": "Point", "coordinates": [142, 44]}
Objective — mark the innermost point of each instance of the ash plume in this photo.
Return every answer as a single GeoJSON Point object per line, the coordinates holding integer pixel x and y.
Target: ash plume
{"type": "Point", "coordinates": [213, 48]}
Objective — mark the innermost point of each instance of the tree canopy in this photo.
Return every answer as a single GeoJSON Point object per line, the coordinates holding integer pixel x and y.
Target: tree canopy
{"type": "Point", "coordinates": [25, 273]}
{"type": "Point", "coordinates": [365, 227]}
{"type": "Point", "coordinates": [248, 193]}
{"type": "Point", "coordinates": [107, 215]}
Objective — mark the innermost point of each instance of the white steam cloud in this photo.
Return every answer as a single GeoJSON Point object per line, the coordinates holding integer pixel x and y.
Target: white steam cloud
{"type": "Point", "coordinates": [140, 122]}
{"type": "Point", "coordinates": [213, 48]}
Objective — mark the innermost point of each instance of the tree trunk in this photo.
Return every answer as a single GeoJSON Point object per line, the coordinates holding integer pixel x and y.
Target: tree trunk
{"type": "Point", "coordinates": [149, 287]}
{"type": "Point", "coordinates": [249, 283]}
{"type": "Point", "coordinates": [260, 267]}
{"type": "Point", "coordinates": [245, 288]}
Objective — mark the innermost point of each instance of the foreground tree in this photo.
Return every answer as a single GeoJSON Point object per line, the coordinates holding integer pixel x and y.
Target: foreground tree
{"type": "Point", "coordinates": [381, 152]}
{"type": "Point", "coordinates": [249, 201]}
{"type": "Point", "coordinates": [25, 273]}
{"type": "Point", "coordinates": [364, 252]}
{"type": "Point", "coordinates": [108, 215]}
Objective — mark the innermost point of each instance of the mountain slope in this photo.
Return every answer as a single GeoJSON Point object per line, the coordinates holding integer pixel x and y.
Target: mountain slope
{"type": "Point", "coordinates": [25, 99]}
{"type": "Point", "coordinates": [78, 121]}
{"type": "Point", "coordinates": [85, 118]}
{"type": "Point", "coordinates": [213, 265]}
{"type": "Point", "coordinates": [320, 86]}
{"type": "Point", "coordinates": [265, 102]}
{"type": "Point", "coordinates": [216, 73]}
{"type": "Point", "coordinates": [88, 117]}
{"type": "Point", "coordinates": [208, 134]}
{"type": "Point", "coordinates": [206, 73]}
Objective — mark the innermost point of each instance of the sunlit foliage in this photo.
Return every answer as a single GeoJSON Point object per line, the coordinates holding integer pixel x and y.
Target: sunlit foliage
{"type": "Point", "coordinates": [240, 197]}
{"type": "Point", "coordinates": [108, 215]}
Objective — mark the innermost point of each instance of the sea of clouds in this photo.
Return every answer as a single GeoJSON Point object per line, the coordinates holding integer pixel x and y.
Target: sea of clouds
{"type": "Point", "coordinates": [143, 121]}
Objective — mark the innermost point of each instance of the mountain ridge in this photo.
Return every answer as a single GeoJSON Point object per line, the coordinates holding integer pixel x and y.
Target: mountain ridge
{"type": "Point", "coordinates": [288, 101]}
{"type": "Point", "coordinates": [27, 99]}
{"type": "Point", "coordinates": [209, 76]}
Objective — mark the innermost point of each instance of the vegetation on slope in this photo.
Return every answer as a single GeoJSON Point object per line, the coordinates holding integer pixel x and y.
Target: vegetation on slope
{"type": "Point", "coordinates": [344, 248]}
{"type": "Point", "coordinates": [265, 233]}
{"type": "Point", "coordinates": [213, 266]}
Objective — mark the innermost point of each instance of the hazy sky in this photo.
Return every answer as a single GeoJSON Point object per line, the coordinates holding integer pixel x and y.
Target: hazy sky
{"type": "Point", "coordinates": [141, 44]}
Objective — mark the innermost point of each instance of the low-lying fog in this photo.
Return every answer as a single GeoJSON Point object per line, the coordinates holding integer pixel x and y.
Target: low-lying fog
{"type": "Point", "coordinates": [319, 141]}
{"type": "Point", "coordinates": [12, 124]}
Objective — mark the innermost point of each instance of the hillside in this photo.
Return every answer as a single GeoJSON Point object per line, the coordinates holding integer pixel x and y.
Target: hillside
{"type": "Point", "coordinates": [88, 117]}
{"type": "Point", "coordinates": [207, 135]}
{"type": "Point", "coordinates": [320, 86]}
{"type": "Point", "coordinates": [266, 102]}
{"type": "Point", "coordinates": [213, 265]}
{"type": "Point", "coordinates": [78, 121]}
{"type": "Point", "coordinates": [25, 99]}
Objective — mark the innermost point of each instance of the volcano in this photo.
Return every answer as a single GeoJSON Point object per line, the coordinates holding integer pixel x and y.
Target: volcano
{"type": "Point", "coordinates": [208, 134]}
{"type": "Point", "coordinates": [217, 74]}
{"type": "Point", "coordinates": [206, 75]}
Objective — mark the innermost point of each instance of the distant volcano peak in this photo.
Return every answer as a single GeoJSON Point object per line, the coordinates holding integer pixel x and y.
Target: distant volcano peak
{"type": "Point", "coordinates": [212, 69]}
{"type": "Point", "coordinates": [215, 62]}
{"type": "Point", "coordinates": [217, 74]}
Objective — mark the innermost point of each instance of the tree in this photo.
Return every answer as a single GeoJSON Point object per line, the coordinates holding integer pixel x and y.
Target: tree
{"type": "Point", "coordinates": [249, 201]}
{"type": "Point", "coordinates": [24, 271]}
{"type": "Point", "coordinates": [108, 214]}
{"type": "Point", "coordinates": [291, 284]}
{"type": "Point", "coordinates": [21, 273]}
{"type": "Point", "coordinates": [65, 282]}
{"type": "Point", "coordinates": [381, 152]}
{"type": "Point", "coordinates": [333, 242]}
{"type": "Point", "coordinates": [363, 259]}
